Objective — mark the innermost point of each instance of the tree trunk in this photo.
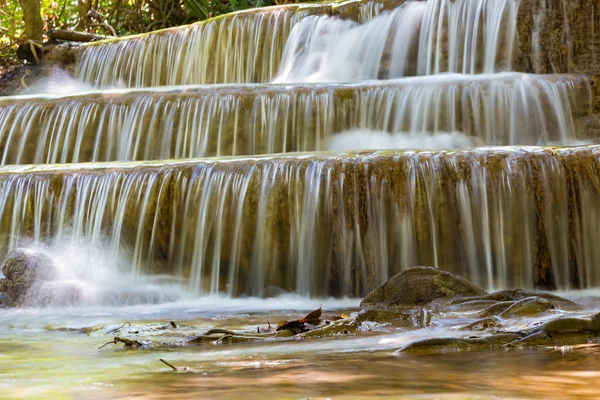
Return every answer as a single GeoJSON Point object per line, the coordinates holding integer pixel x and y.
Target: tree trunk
{"type": "Point", "coordinates": [34, 26]}
{"type": "Point", "coordinates": [84, 6]}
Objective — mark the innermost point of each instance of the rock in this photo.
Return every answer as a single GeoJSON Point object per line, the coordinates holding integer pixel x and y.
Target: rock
{"type": "Point", "coordinates": [495, 309]}
{"type": "Point", "coordinates": [481, 325]}
{"type": "Point", "coordinates": [14, 291]}
{"type": "Point", "coordinates": [418, 286]}
{"type": "Point", "coordinates": [515, 295]}
{"type": "Point", "coordinates": [473, 305]}
{"type": "Point", "coordinates": [341, 327]}
{"type": "Point", "coordinates": [29, 265]}
{"type": "Point", "coordinates": [562, 332]}
{"type": "Point", "coordinates": [437, 345]}
{"type": "Point", "coordinates": [25, 273]}
{"type": "Point", "coordinates": [528, 307]}
{"type": "Point", "coordinates": [382, 316]}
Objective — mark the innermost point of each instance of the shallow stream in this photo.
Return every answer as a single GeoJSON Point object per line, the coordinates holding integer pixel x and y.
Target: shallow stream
{"type": "Point", "coordinates": [53, 353]}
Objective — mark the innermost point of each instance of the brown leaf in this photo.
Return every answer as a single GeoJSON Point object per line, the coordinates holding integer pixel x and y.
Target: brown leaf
{"type": "Point", "coordinates": [294, 326]}
{"type": "Point", "coordinates": [312, 317]}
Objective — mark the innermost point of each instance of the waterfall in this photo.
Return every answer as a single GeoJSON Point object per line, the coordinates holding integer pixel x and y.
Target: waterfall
{"type": "Point", "coordinates": [239, 47]}
{"type": "Point", "coordinates": [326, 224]}
{"type": "Point", "coordinates": [198, 121]}
{"type": "Point", "coordinates": [300, 80]}
{"type": "Point", "coordinates": [417, 38]}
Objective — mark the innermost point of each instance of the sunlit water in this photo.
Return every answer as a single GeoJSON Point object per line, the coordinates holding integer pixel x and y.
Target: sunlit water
{"type": "Point", "coordinates": [43, 353]}
{"type": "Point", "coordinates": [54, 351]}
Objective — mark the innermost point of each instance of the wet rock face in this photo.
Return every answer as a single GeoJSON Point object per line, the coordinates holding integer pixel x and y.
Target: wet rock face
{"type": "Point", "coordinates": [418, 286]}
{"type": "Point", "coordinates": [24, 271]}
{"type": "Point", "coordinates": [29, 265]}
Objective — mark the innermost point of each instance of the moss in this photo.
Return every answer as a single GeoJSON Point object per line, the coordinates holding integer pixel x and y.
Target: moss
{"type": "Point", "coordinates": [261, 220]}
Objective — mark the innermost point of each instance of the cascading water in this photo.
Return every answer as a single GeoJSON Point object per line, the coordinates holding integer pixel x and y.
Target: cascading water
{"type": "Point", "coordinates": [417, 38]}
{"type": "Point", "coordinates": [325, 224]}
{"type": "Point", "coordinates": [197, 121]}
{"type": "Point", "coordinates": [240, 47]}
{"type": "Point", "coordinates": [320, 224]}
{"type": "Point", "coordinates": [213, 239]}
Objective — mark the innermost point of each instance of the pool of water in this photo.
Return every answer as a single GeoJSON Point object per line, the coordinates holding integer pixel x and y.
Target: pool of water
{"type": "Point", "coordinates": [54, 353]}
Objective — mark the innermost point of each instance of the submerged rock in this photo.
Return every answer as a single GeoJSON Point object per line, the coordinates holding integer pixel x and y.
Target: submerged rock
{"type": "Point", "coordinates": [437, 345]}
{"type": "Point", "coordinates": [515, 295]}
{"type": "Point", "coordinates": [383, 316]}
{"type": "Point", "coordinates": [481, 325]}
{"type": "Point", "coordinates": [495, 309]}
{"type": "Point", "coordinates": [528, 307]}
{"type": "Point", "coordinates": [420, 285]}
{"type": "Point", "coordinates": [562, 331]}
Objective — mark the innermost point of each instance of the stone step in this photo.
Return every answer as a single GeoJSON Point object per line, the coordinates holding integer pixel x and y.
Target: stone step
{"type": "Point", "coordinates": [198, 121]}
{"type": "Point", "coordinates": [324, 223]}
{"type": "Point", "coordinates": [240, 47]}
{"type": "Point", "coordinates": [550, 36]}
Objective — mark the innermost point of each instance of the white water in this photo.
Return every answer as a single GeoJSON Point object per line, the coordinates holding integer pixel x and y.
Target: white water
{"type": "Point", "coordinates": [222, 120]}
{"type": "Point", "coordinates": [417, 38]}
{"type": "Point", "coordinates": [363, 139]}
{"type": "Point", "coordinates": [89, 273]}
{"type": "Point", "coordinates": [58, 83]}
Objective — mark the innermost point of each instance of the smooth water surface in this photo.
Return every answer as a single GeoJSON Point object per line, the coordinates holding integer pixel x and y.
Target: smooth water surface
{"type": "Point", "coordinates": [46, 353]}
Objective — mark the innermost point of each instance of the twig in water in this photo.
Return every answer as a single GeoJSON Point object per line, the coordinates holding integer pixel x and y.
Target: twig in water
{"type": "Point", "coordinates": [166, 363]}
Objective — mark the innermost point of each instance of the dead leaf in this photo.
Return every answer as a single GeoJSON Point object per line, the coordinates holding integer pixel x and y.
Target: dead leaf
{"type": "Point", "coordinates": [312, 317]}
{"type": "Point", "coordinates": [295, 326]}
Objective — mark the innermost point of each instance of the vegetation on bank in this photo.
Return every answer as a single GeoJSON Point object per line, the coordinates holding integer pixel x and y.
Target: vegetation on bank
{"type": "Point", "coordinates": [25, 20]}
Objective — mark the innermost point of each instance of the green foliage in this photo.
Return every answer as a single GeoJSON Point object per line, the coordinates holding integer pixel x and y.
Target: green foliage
{"type": "Point", "coordinates": [203, 9]}
{"type": "Point", "coordinates": [111, 17]}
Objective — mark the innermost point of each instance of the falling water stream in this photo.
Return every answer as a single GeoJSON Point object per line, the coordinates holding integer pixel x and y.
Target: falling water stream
{"type": "Point", "coordinates": [222, 120]}
{"type": "Point", "coordinates": [244, 170]}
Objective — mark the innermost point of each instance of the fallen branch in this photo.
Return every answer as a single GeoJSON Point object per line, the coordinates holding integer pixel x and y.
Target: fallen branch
{"type": "Point", "coordinates": [126, 342]}
{"type": "Point", "coordinates": [73, 36]}
{"type": "Point", "coordinates": [166, 363]}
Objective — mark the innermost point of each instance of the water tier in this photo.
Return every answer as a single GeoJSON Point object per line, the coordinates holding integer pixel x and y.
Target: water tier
{"type": "Point", "coordinates": [198, 121]}
{"type": "Point", "coordinates": [355, 39]}
{"type": "Point", "coordinates": [240, 47]}
{"type": "Point", "coordinates": [325, 224]}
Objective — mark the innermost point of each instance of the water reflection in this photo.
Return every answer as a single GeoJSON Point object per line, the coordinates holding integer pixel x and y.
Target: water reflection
{"type": "Point", "coordinates": [43, 356]}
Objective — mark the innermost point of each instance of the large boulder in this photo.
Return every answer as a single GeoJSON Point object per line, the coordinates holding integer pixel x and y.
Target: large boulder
{"type": "Point", "coordinates": [25, 271]}
{"type": "Point", "coordinates": [29, 265]}
{"type": "Point", "coordinates": [419, 286]}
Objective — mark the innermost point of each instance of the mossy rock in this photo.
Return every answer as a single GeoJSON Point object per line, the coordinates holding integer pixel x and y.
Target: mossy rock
{"type": "Point", "coordinates": [563, 331]}
{"type": "Point", "coordinates": [418, 286]}
{"type": "Point", "coordinates": [382, 316]}
{"type": "Point", "coordinates": [473, 305]}
{"type": "Point", "coordinates": [437, 345]}
{"type": "Point", "coordinates": [515, 295]}
{"type": "Point", "coordinates": [495, 309]}
{"type": "Point", "coordinates": [26, 271]}
{"type": "Point", "coordinates": [528, 307]}
{"type": "Point", "coordinates": [481, 325]}
{"type": "Point", "coordinates": [340, 327]}
{"type": "Point", "coordinates": [28, 265]}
